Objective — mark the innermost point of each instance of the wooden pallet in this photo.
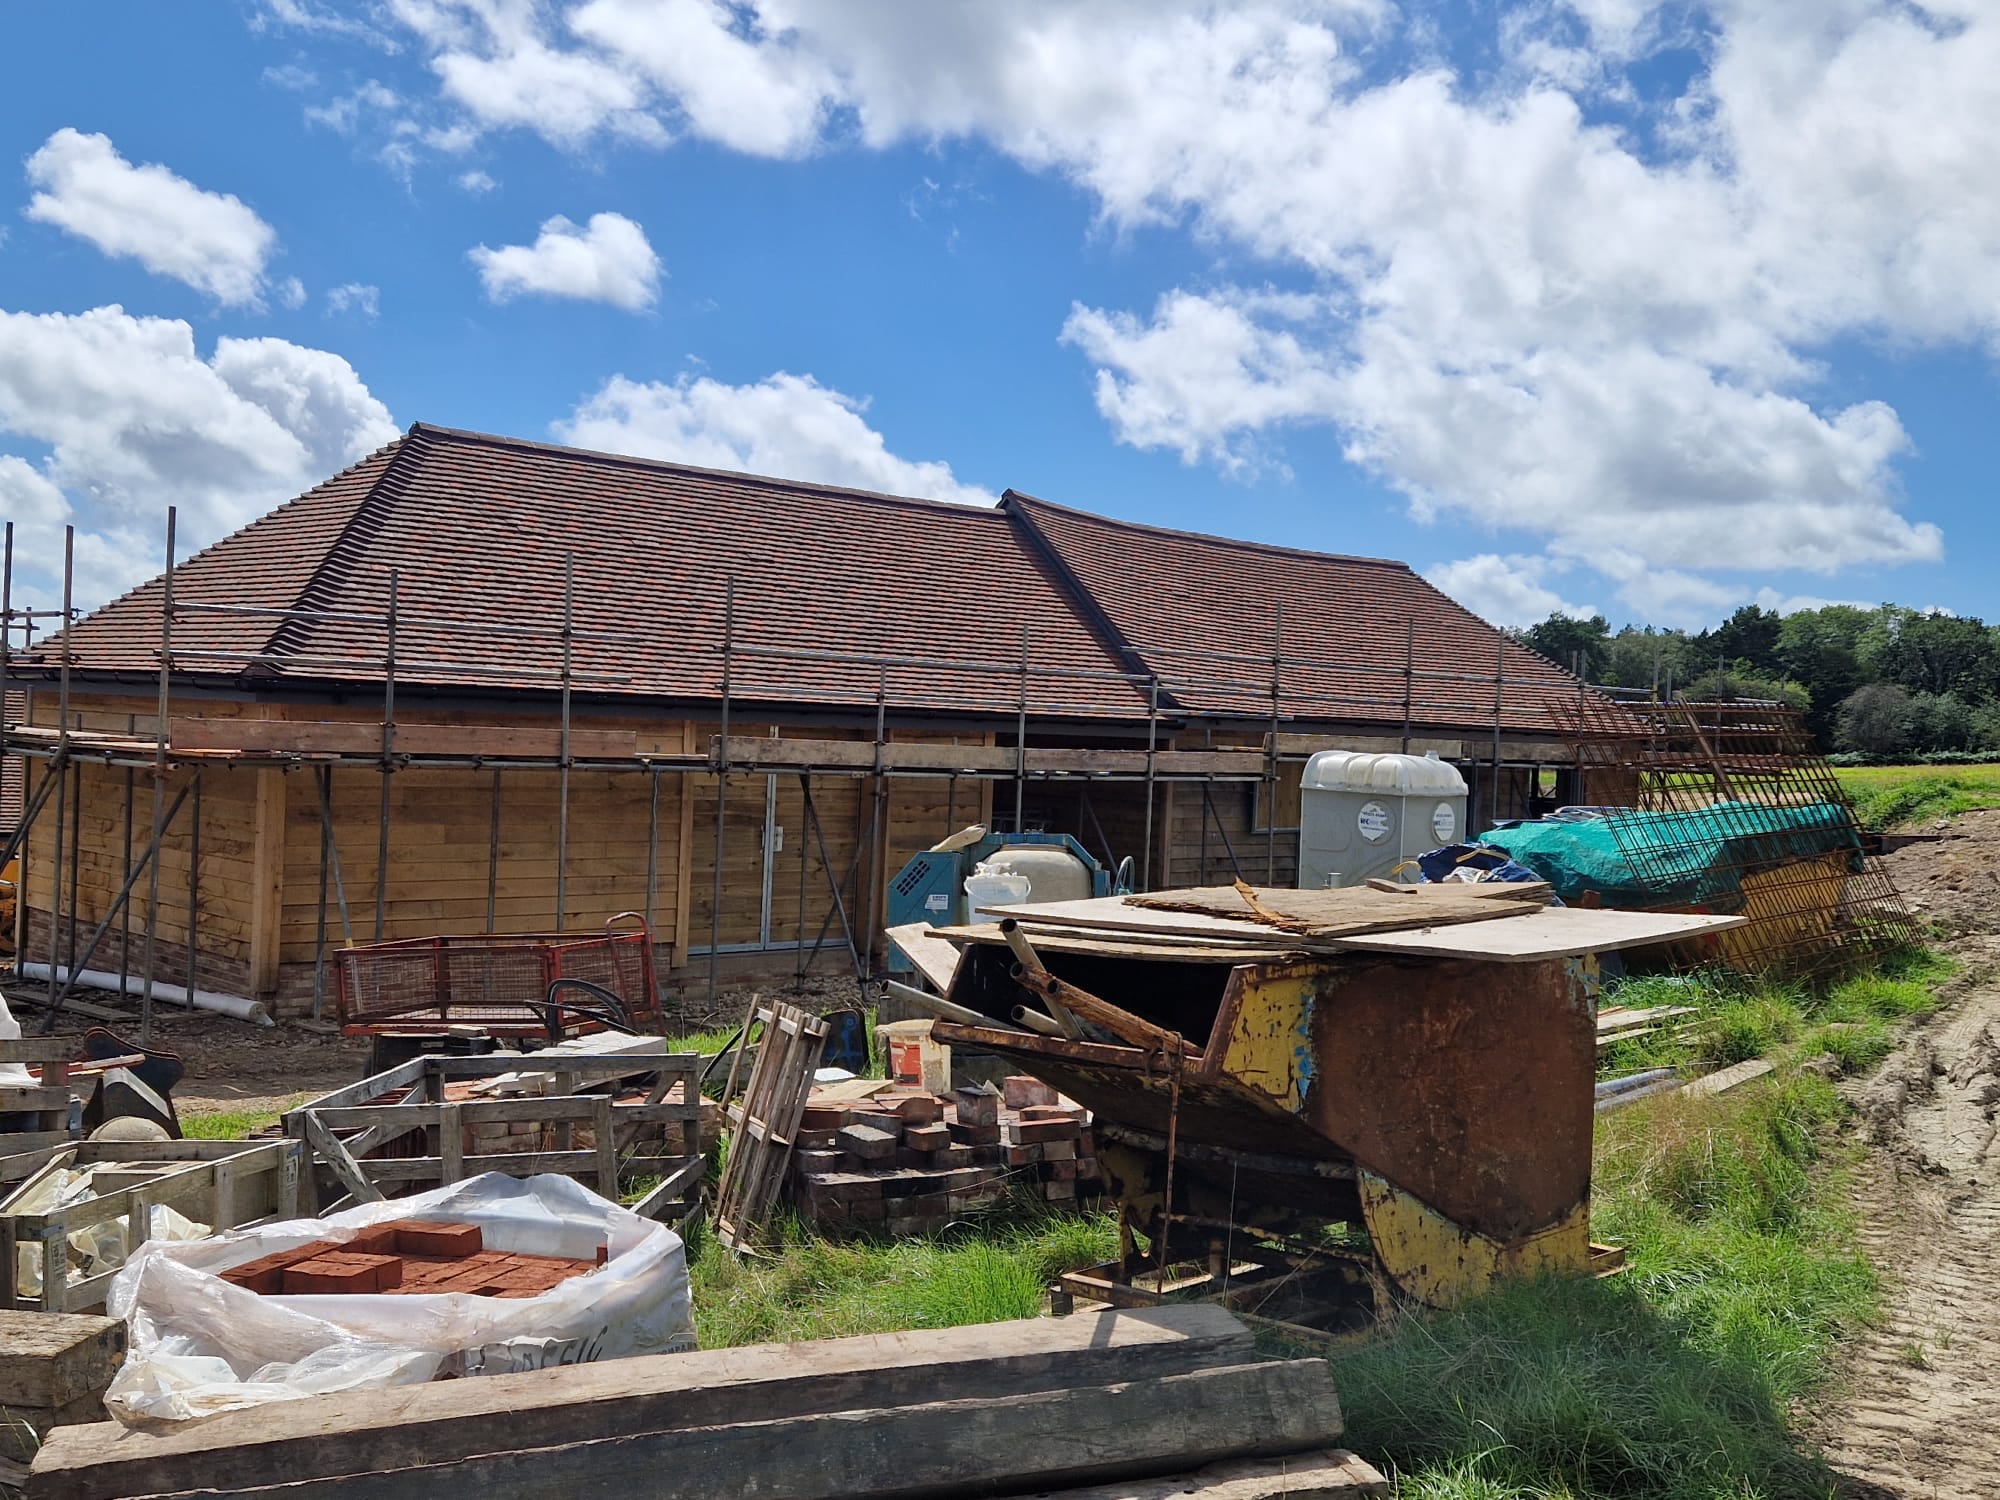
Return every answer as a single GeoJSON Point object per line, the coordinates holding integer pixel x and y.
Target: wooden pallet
{"type": "Point", "coordinates": [41, 1111]}
{"type": "Point", "coordinates": [764, 1122]}
{"type": "Point", "coordinates": [224, 1184]}
{"type": "Point", "coordinates": [397, 1129]}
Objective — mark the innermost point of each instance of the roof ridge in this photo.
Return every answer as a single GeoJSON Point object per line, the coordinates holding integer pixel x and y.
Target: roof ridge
{"type": "Point", "coordinates": [1017, 499]}
{"type": "Point", "coordinates": [336, 565]}
{"type": "Point", "coordinates": [673, 466]}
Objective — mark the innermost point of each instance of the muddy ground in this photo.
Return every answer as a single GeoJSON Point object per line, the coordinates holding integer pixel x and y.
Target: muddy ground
{"type": "Point", "coordinates": [1919, 1415]}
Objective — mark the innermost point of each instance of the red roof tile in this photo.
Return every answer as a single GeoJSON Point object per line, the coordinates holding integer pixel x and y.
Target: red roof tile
{"type": "Point", "coordinates": [477, 529]}
{"type": "Point", "coordinates": [1175, 597]}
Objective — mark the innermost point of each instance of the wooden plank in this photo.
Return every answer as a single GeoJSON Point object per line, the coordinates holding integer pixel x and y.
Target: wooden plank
{"type": "Point", "coordinates": [1332, 1474]}
{"type": "Point", "coordinates": [321, 737]}
{"type": "Point", "coordinates": [267, 883]}
{"type": "Point", "coordinates": [1727, 1078]}
{"type": "Point", "coordinates": [936, 959]}
{"type": "Point", "coordinates": [450, 1420]}
{"type": "Point", "coordinates": [51, 1359]}
{"type": "Point", "coordinates": [1345, 910]}
{"type": "Point", "coordinates": [1553, 932]}
{"type": "Point", "coordinates": [1044, 1439]}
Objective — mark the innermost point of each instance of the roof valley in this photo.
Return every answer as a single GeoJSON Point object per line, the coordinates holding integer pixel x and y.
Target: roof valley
{"type": "Point", "coordinates": [335, 570]}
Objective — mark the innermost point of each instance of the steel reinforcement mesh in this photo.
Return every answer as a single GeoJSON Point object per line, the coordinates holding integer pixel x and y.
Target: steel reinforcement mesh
{"type": "Point", "coordinates": [487, 980]}
{"type": "Point", "coordinates": [1814, 901]}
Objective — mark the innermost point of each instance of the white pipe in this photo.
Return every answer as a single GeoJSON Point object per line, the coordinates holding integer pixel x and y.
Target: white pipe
{"type": "Point", "coordinates": [101, 979]}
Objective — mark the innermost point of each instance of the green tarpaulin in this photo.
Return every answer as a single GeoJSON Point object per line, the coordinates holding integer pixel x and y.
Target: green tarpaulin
{"type": "Point", "coordinates": [1633, 858]}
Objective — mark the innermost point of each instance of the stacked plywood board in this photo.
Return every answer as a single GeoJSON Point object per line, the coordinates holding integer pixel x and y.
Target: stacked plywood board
{"type": "Point", "coordinates": [1101, 1405]}
{"type": "Point", "coordinates": [902, 1161]}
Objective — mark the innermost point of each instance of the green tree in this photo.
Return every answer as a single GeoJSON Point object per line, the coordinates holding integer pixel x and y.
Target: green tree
{"type": "Point", "coordinates": [1639, 657]}
{"type": "Point", "coordinates": [1561, 637]}
{"type": "Point", "coordinates": [1820, 650]}
{"type": "Point", "coordinates": [1874, 720]}
{"type": "Point", "coordinates": [1927, 652]}
{"type": "Point", "coordinates": [1749, 636]}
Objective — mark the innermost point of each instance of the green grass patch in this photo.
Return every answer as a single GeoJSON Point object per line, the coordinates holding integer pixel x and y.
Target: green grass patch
{"type": "Point", "coordinates": [1671, 1381]}
{"type": "Point", "coordinates": [232, 1124]}
{"type": "Point", "coordinates": [1899, 796]}
{"type": "Point", "coordinates": [991, 1270]}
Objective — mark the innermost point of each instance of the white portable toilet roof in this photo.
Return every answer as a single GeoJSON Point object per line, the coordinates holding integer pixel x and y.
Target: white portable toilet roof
{"type": "Point", "coordinates": [1399, 775]}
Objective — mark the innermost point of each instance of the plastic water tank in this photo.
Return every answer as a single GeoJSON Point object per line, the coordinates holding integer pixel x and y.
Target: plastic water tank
{"type": "Point", "coordinates": [1362, 815]}
{"type": "Point", "coordinates": [1054, 873]}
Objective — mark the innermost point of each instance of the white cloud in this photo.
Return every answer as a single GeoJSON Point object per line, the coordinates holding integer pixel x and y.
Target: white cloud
{"type": "Point", "coordinates": [292, 292]}
{"type": "Point", "coordinates": [477, 182]}
{"type": "Point", "coordinates": [355, 296]}
{"type": "Point", "coordinates": [345, 111]}
{"type": "Point", "coordinates": [1506, 590]}
{"type": "Point", "coordinates": [788, 426]}
{"type": "Point", "coordinates": [133, 419]}
{"type": "Point", "coordinates": [1589, 335]}
{"type": "Point", "coordinates": [1203, 373]}
{"type": "Point", "coordinates": [607, 260]}
{"type": "Point", "coordinates": [211, 241]}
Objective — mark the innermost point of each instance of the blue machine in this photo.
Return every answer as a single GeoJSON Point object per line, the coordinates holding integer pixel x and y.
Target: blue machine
{"type": "Point", "coordinates": [931, 887]}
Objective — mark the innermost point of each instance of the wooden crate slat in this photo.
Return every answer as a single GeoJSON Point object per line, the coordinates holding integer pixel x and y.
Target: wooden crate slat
{"type": "Point", "coordinates": [767, 1119]}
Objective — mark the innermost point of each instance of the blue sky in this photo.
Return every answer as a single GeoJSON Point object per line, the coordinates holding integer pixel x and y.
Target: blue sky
{"type": "Point", "coordinates": [1655, 309]}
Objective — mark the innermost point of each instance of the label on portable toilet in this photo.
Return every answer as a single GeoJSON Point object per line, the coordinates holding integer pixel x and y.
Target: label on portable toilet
{"type": "Point", "coordinates": [1373, 822]}
{"type": "Point", "coordinates": [1444, 823]}
{"type": "Point", "coordinates": [937, 901]}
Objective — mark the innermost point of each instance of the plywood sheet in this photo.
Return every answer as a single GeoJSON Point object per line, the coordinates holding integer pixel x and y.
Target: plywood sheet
{"type": "Point", "coordinates": [1553, 932]}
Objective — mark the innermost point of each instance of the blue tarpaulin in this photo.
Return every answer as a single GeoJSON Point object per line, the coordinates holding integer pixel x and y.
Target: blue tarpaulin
{"type": "Point", "coordinates": [1632, 858]}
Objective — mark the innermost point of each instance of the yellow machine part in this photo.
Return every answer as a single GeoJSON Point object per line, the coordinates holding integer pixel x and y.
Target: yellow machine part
{"type": "Point", "coordinates": [1442, 1264]}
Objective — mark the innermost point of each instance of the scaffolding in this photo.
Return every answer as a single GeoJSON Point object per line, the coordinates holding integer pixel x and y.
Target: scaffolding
{"type": "Point", "coordinates": [1041, 699]}
{"type": "Point", "coordinates": [1732, 804]}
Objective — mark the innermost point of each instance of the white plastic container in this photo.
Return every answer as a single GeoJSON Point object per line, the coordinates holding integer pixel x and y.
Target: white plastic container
{"type": "Point", "coordinates": [987, 887]}
{"type": "Point", "coordinates": [1363, 816]}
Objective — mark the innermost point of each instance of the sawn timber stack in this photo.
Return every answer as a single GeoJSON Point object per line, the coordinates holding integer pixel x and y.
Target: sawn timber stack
{"type": "Point", "coordinates": [1033, 1407]}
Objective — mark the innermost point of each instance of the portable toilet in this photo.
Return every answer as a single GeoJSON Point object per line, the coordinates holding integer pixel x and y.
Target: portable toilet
{"type": "Point", "coordinates": [1362, 815]}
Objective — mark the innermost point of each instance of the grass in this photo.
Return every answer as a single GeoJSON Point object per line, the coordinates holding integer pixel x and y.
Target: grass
{"type": "Point", "coordinates": [990, 1270]}
{"type": "Point", "coordinates": [1853, 1019]}
{"type": "Point", "coordinates": [1673, 1380]}
{"type": "Point", "coordinates": [1900, 796]}
{"type": "Point", "coordinates": [232, 1124]}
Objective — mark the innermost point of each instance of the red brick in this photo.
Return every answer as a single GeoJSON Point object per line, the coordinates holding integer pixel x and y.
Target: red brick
{"type": "Point", "coordinates": [418, 1237]}
{"type": "Point", "coordinates": [917, 1109]}
{"type": "Point", "coordinates": [976, 1107]}
{"type": "Point", "coordinates": [1059, 1151]}
{"type": "Point", "coordinates": [823, 1117]}
{"type": "Point", "coordinates": [1034, 1132]}
{"type": "Point", "coordinates": [338, 1274]}
{"type": "Point", "coordinates": [378, 1239]}
{"type": "Point", "coordinates": [928, 1138]}
{"type": "Point", "coordinates": [1020, 1091]}
{"type": "Point", "coordinates": [976, 1135]}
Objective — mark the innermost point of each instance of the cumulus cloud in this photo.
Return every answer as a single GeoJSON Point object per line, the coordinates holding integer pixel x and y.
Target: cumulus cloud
{"type": "Point", "coordinates": [1537, 295]}
{"type": "Point", "coordinates": [213, 242]}
{"type": "Point", "coordinates": [607, 260]}
{"type": "Point", "coordinates": [356, 297]}
{"type": "Point", "coordinates": [131, 418]}
{"type": "Point", "coordinates": [788, 426]}
{"type": "Point", "coordinates": [1506, 590]}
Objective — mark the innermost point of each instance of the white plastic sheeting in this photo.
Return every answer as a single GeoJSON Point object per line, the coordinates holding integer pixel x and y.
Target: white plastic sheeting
{"type": "Point", "coordinates": [200, 1345]}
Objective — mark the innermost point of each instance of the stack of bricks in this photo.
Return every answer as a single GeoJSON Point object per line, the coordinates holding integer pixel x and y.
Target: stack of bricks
{"type": "Point", "coordinates": [905, 1162]}
{"type": "Point", "coordinates": [521, 1137]}
{"type": "Point", "coordinates": [410, 1257]}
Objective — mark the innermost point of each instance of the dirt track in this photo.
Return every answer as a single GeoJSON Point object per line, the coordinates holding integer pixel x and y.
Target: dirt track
{"type": "Point", "coordinates": [1921, 1416]}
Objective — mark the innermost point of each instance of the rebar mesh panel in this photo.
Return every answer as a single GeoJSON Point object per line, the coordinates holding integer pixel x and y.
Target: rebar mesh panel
{"type": "Point", "coordinates": [1779, 843]}
{"type": "Point", "coordinates": [488, 980]}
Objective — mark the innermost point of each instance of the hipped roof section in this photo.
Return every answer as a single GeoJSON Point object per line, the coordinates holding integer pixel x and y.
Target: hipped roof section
{"type": "Point", "coordinates": [476, 529]}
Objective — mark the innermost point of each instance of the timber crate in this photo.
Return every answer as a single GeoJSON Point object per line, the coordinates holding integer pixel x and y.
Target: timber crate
{"type": "Point", "coordinates": [223, 1184]}
{"type": "Point", "coordinates": [425, 1124]}
{"type": "Point", "coordinates": [34, 1118]}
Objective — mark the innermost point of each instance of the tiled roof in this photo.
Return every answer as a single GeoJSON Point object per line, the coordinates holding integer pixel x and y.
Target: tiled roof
{"type": "Point", "coordinates": [1178, 600]}
{"type": "Point", "coordinates": [477, 529]}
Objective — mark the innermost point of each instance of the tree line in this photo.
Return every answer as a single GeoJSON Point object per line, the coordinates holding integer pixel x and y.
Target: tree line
{"type": "Point", "coordinates": [1882, 682]}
